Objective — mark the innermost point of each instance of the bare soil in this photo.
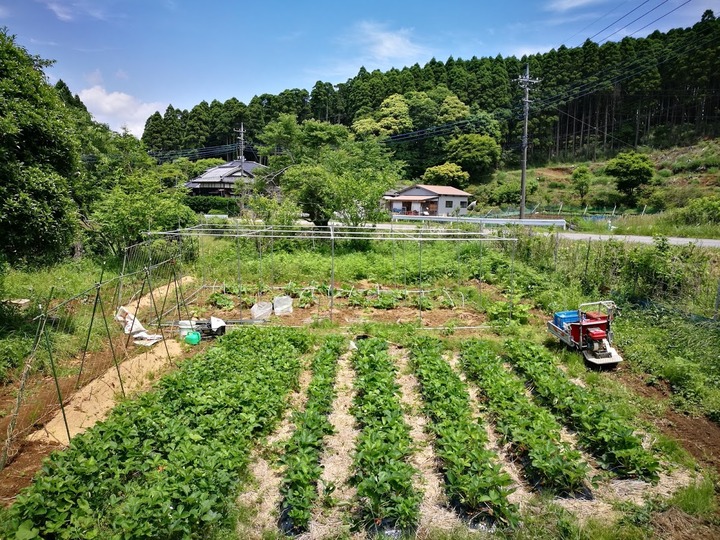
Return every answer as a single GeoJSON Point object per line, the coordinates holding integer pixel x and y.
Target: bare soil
{"type": "Point", "coordinates": [698, 435]}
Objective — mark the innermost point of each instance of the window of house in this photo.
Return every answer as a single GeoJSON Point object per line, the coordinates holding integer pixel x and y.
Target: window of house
{"type": "Point", "coordinates": [448, 204]}
{"type": "Point", "coordinates": [463, 204]}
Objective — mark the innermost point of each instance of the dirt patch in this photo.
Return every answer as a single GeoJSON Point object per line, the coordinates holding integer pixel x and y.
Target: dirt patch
{"type": "Point", "coordinates": [158, 294]}
{"type": "Point", "coordinates": [20, 473]}
{"type": "Point", "coordinates": [434, 512]}
{"type": "Point", "coordinates": [677, 525]}
{"type": "Point", "coordinates": [263, 497]}
{"type": "Point", "coordinates": [336, 462]}
{"type": "Point", "coordinates": [698, 435]}
{"type": "Point", "coordinates": [521, 493]}
{"type": "Point", "coordinates": [95, 400]}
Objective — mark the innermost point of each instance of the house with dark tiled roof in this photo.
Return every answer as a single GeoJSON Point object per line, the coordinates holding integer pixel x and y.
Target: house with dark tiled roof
{"type": "Point", "coordinates": [221, 180]}
{"type": "Point", "coordinates": [427, 200]}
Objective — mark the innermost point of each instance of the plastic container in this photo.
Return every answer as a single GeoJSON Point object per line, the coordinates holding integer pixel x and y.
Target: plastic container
{"type": "Point", "coordinates": [562, 318]}
{"type": "Point", "coordinates": [192, 338]}
{"type": "Point", "coordinates": [261, 311]}
{"type": "Point", "coordinates": [185, 327]}
{"type": "Point", "coordinates": [282, 305]}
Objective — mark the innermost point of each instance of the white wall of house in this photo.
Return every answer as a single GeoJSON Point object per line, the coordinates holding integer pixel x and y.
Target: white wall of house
{"type": "Point", "coordinates": [452, 204]}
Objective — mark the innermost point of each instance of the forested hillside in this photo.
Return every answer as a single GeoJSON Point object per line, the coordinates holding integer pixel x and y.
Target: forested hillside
{"type": "Point", "coordinates": [71, 184]}
{"type": "Point", "coordinates": [591, 100]}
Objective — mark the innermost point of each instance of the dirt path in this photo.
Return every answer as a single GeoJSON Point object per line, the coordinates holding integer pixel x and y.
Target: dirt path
{"type": "Point", "coordinates": [95, 400]}
{"type": "Point", "coordinates": [158, 294]}
{"type": "Point", "coordinates": [332, 521]}
{"type": "Point", "coordinates": [263, 496]}
{"type": "Point", "coordinates": [521, 491]}
{"type": "Point", "coordinates": [434, 512]}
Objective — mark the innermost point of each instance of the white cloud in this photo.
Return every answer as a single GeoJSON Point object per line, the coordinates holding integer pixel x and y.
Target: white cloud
{"type": "Point", "coordinates": [70, 10]}
{"type": "Point", "coordinates": [63, 12]}
{"type": "Point", "coordinates": [122, 75]}
{"type": "Point", "coordinates": [386, 45]}
{"type": "Point", "coordinates": [566, 5]}
{"type": "Point", "coordinates": [118, 109]}
{"type": "Point", "coordinates": [94, 78]}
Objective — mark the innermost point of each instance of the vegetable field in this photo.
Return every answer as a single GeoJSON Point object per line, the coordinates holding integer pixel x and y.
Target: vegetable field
{"type": "Point", "coordinates": [170, 463]}
{"type": "Point", "coordinates": [446, 420]}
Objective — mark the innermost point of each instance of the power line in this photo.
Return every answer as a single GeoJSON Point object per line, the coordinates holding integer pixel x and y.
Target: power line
{"type": "Point", "coordinates": [661, 17]}
{"type": "Point", "coordinates": [590, 24]}
{"type": "Point", "coordinates": [635, 20]}
{"type": "Point", "coordinates": [618, 20]}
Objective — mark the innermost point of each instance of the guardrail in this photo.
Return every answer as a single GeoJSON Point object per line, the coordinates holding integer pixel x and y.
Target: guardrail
{"type": "Point", "coordinates": [486, 221]}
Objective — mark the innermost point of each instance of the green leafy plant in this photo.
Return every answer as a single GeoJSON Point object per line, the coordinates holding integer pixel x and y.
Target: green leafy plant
{"type": "Point", "coordinates": [382, 474]}
{"type": "Point", "coordinates": [302, 452]}
{"type": "Point", "coordinates": [221, 301]}
{"type": "Point", "coordinates": [474, 482]}
{"type": "Point", "coordinates": [532, 432]}
{"type": "Point", "coordinates": [611, 440]}
{"type": "Point", "coordinates": [166, 463]}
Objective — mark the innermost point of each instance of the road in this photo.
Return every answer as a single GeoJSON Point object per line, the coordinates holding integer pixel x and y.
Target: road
{"type": "Point", "coordinates": [673, 240]}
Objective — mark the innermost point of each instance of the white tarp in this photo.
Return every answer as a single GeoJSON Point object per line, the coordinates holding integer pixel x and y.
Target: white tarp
{"type": "Point", "coordinates": [132, 326]}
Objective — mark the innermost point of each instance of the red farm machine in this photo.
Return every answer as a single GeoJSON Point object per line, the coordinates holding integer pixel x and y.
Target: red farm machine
{"type": "Point", "coordinates": [588, 329]}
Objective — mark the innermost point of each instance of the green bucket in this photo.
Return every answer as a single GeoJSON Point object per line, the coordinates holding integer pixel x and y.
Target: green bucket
{"type": "Point", "coordinates": [192, 338]}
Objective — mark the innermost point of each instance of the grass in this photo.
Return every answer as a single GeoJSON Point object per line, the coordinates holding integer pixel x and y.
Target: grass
{"type": "Point", "coordinates": [697, 499]}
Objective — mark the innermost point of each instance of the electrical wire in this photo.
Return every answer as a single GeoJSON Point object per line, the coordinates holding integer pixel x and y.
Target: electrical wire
{"type": "Point", "coordinates": [661, 17]}
{"type": "Point", "coordinates": [635, 20]}
{"type": "Point", "coordinates": [617, 20]}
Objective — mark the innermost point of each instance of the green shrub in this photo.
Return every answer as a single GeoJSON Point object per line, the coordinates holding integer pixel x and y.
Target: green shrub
{"type": "Point", "coordinates": [206, 204]}
{"type": "Point", "coordinates": [702, 211]}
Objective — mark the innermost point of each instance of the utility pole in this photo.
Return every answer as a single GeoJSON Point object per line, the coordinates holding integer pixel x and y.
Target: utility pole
{"type": "Point", "coordinates": [241, 147]}
{"type": "Point", "coordinates": [241, 157]}
{"type": "Point", "coordinates": [525, 82]}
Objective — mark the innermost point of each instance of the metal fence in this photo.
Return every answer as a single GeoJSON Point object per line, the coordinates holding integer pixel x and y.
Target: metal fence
{"type": "Point", "coordinates": [80, 338]}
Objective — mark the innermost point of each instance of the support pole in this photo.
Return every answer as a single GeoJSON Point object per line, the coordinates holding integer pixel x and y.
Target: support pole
{"type": "Point", "coordinates": [112, 347]}
{"type": "Point", "coordinates": [525, 83]}
{"type": "Point", "coordinates": [57, 384]}
{"type": "Point", "coordinates": [332, 271]}
{"type": "Point", "coordinates": [90, 326]}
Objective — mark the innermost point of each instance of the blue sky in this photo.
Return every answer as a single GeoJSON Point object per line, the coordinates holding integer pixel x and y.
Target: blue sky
{"type": "Point", "coordinates": [129, 58]}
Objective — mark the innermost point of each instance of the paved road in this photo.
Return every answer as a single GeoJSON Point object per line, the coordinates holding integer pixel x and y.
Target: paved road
{"type": "Point", "coordinates": [674, 240]}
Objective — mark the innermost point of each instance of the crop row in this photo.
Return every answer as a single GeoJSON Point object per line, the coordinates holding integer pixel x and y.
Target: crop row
{"type": "Point", "coordinates": [302, 452]}
{"type": "Point", "coordinates": [532, 432]}
{"type": "Point", "coordinates": [164, 465]}
{"type": "Point", "coordinates": [599, 428]}
{"type": "Point", "coordinates": [474, 481]}
{"type": "Point", "coordinates": [382, 473]}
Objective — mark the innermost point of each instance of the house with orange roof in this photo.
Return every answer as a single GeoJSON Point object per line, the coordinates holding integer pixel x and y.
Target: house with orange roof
{"type": "Point", "coordinates": [427, 200]}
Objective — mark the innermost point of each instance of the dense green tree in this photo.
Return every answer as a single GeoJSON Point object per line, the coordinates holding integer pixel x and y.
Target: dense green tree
{"type": "Point", "coordinates": [630, 170]}
{"type": "Point", "coordinates": [38, 153]}
{"type": "Point", "coordinates": [197, 126]}
{"type": "Point", "coordinates": [323, 101]}
{"type": "Point", "coordinates": [476, 154]}
{"type": "Point", "coordinates": [281, 142]}
{"type": "Point", "coordinates": [393, 116]}
{"type": "Point", "coordinates": [581, 177]}
{"type": "Point", "coordinates": [447, 174]}
{"type": "Point", "coordinates": [452, 110]}
{"type": "Point", "coordinates": [37, 216]}
{"type": "Point", "coordinates": [137, 205]}
{"type": "Point", "coordinates": [154, 133]}
{"type": "Point", "coordinates": [344, 183]}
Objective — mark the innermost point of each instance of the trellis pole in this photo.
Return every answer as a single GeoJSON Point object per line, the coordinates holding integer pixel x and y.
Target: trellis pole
{"type": "Point", "coordinates": [23, 381]}
{"type": "Point", "coordinates": [54, 374]}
